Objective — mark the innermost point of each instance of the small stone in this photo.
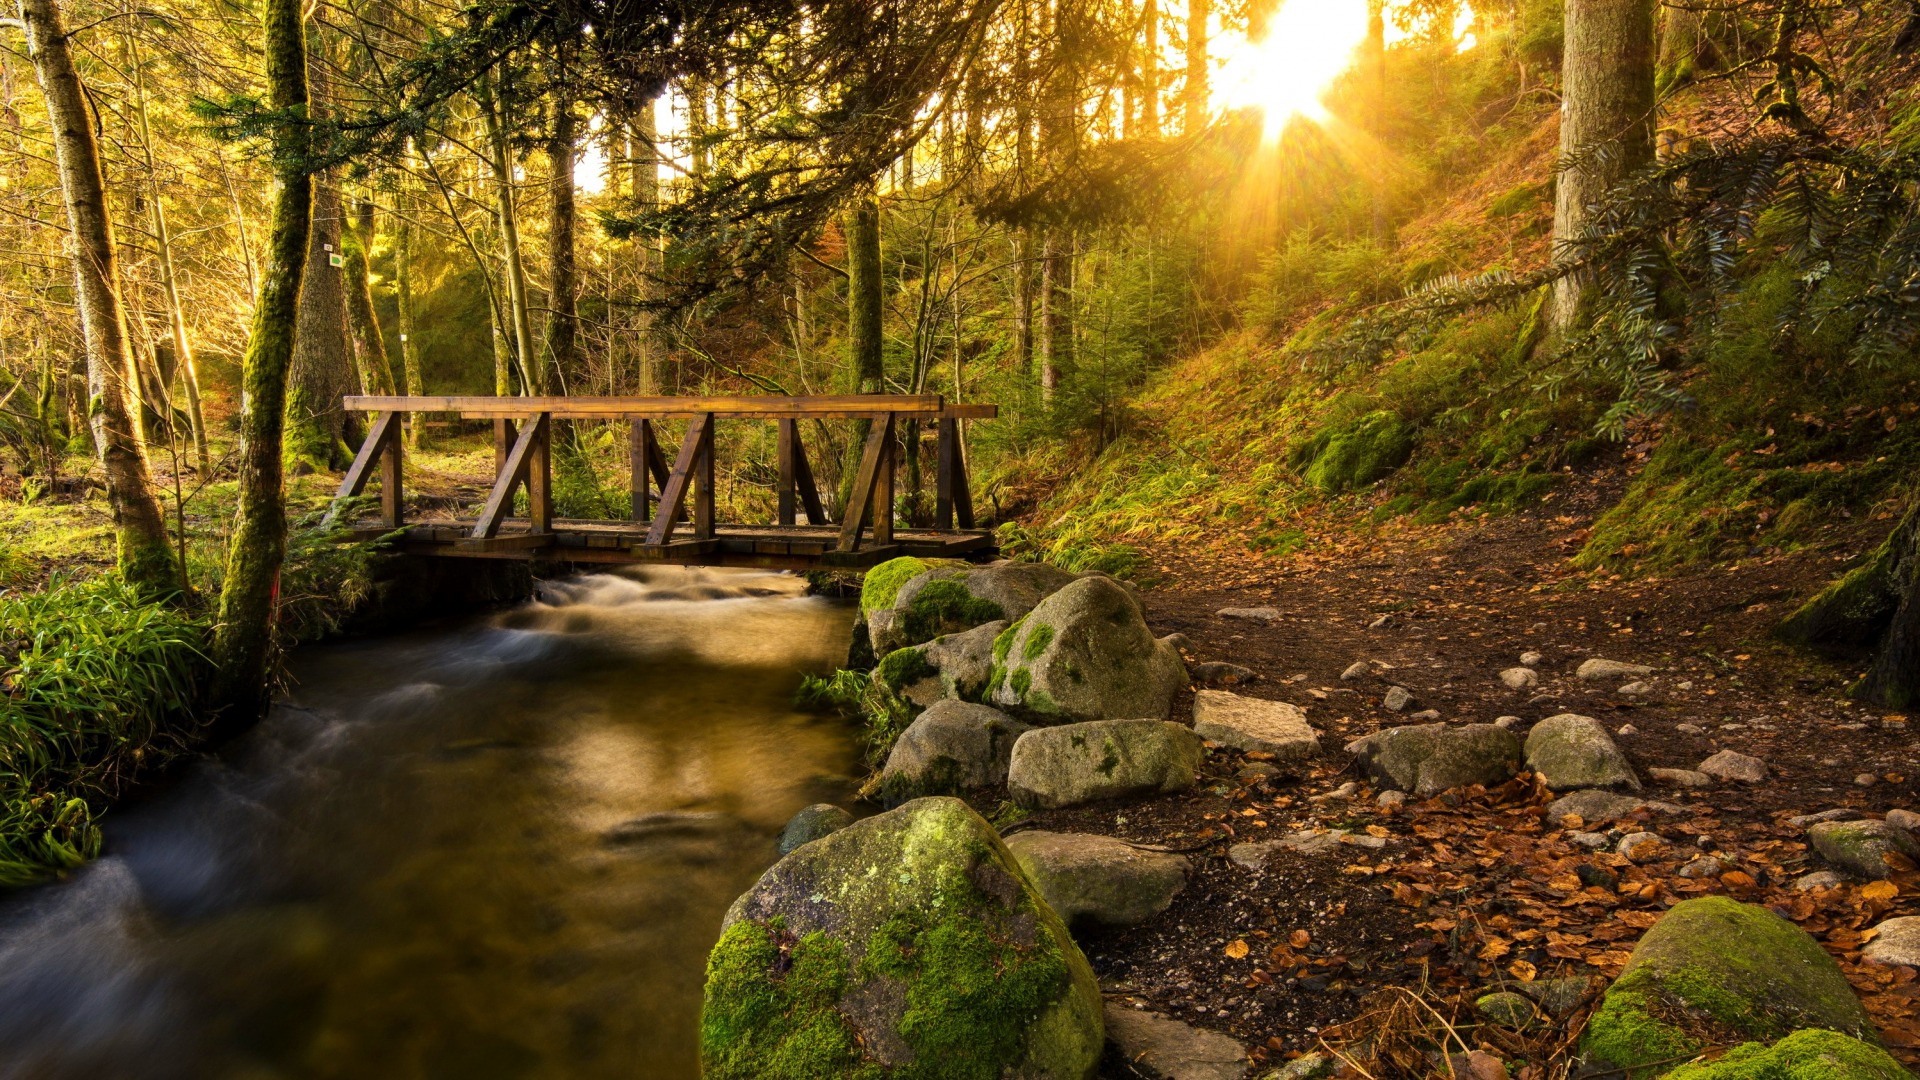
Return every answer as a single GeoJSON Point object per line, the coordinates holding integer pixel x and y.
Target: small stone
{"type": "Point", "coordinates": [1425, 716]}
{"type": "Point", "coordinates": [1635, 689]}
{"type": "Point", "coordinates": [1070, 764]}
{"type": "Point", "coordinates": [1557, 997]}
{"type": "Point", "coordinates": [1866, 779]}
{"type": "Point", "coordinates": [1705, 866]}
{"type": "Point", "coordinates": [1839, 813]}
{"type": "Point", "coordinates": [1520, 678]}
{"type": "Point", "coordinates": [1507, 723]}
{"type": "Point", "coordinates": [1594, 805]}
{"type": "Point", "coordinates": [1255, 724]}
{"type": "Point", "coordinates": [1687, 685]}
{"type": "Point", "coordinates": [1573, 751]}
{"type": "Point", "coordinates": [1596, 670]}
{"type": "Point", "coordinates": [1381, 623]}
{"type": "Point", "coordinates": [1819, 879]}
{"type": "Point", "coordinates": [1903, 819]}
{"type": "Point", "coordinates": [1398, 699]}
{"type": "Point", "coordinates": [1530, 659]}
{"type": "Point", "coordinates": [1255, 772]}
{"type": "Point", "coordinates": [1267, 615]}
{"type": "Point", "coordinates": [1687, 778]}
{"type": "Point", "coordinates": [1733, 765]}
{"type": "Point", "coordinates": [1162, 1047]}
{"type": "Point", "coordinates": [1592, 841]}
{"type": "Point", "coordinates": [811, 824]}
{"type": "Point", "coordinates": [1895, 942]}
{"type": "Point", "coordinates": [1390, 800]}
{"type": "Point", "coordinates": [1254, 854]}
{"type": "Point", "coordinates": [1109, 881]}
{"type": "Point", "coordinates": [1690, 729]}
{"type": "Point", "coordinates": [1861, 847]}
{"type": "Point", "coordinates": [1215, 673]}
{"type": "Point", "coordinates": [1359, 669]}
{"type": "Point", "coordinates": [1506, 1008]}
{"type": "Point", "coordinates": [1640, 846]}
{"type": "Point", "coordinates": [1627, 729]}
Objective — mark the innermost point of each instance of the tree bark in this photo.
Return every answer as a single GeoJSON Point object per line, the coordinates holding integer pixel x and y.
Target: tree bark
{"type": "Point", "coordinates": [1875, 606]}
{"type": "Point", "coordinates": [244, 634]}
{"type": "Point", "coordinates": [562, 286]}
{"type": "Point", "coordinates": [517, 314]}
{"type": "Point", "coordinates": [403, 290]}
{"type": "Point", "coordinates": [145, 555]}
{"type": "Point", "coordinates": [1150, 71]}
{"type": "Point", "coordinates": [369, 346]}
{"type": "Point", "coordinates": [864, 295]}
{"type": "Point", "coordinates": [644, 164]}
{"type": "Point", "coordinates": [1194, 96]}
{"type": "Point", "coordinates": [1056, 309]}
{"type": "Point", "coordinates": [1606, 122]}
{"type": "Point", "coordinates": [323, 368]}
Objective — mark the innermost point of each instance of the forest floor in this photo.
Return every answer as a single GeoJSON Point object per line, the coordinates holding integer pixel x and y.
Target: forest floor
{"type": "Point", "coordinates": [1478, 892]}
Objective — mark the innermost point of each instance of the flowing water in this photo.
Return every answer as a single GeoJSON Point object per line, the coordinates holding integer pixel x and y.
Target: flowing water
{"type": "Point", "coordinates": [497, 850]}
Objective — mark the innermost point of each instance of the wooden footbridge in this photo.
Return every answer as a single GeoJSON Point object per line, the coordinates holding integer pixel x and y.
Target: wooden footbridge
{"type": "Point", "coordinates": [673, 519]}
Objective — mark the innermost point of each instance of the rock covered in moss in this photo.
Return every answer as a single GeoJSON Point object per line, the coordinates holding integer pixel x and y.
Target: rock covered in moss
{"type": "Point", "coordinates": [1571, 751]}
{"type": "Point", "coordinates": [964, 661]}
{"type": "Point", "coordinates": [811, 824]}
{"type": "Point", "coordinates": [1357, 453]}
{"type": "Point", "coordinates": [953, 746]}
{"type": "Point", "coordinates": [905, 945]}
{"type": "Point", "coordinates": [1101, 759]}
{"type": "Point", "coordinates": [1109, 881]}
{"type": "Point", "coordinates": [1811, 1054]}
{"type": "Point", "coordinates": [1714, 971]}
{"type": "Point", "coordinates": [1861, 847]}
{"type": "Point", "coordinates": [1245, 723]}
{"type": "Point", "coordinates": [937, 599]}
{"type": "Point", "coordinates": [1085, 653]}
{"type": "Point", "coordinates": [1426, 759]}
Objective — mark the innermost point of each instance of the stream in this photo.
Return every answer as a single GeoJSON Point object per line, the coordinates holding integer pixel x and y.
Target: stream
{"type": "Point", "coordinates": [499, 848]}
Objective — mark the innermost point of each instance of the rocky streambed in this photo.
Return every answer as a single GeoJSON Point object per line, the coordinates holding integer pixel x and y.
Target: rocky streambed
{"type": "Point", "coordinates": [1090, 870]}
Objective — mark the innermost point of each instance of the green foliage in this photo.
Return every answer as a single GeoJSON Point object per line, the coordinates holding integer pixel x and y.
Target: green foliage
{"type": "Point", "coordinates": [842, 692]}
{"type": "Point", "coordinates": [945, 606]}
{"type": "Point", "coordinates": [1356, 455]}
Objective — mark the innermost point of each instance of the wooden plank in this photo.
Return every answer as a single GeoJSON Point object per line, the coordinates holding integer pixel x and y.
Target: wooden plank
{"type": "Point", "coordinates": [576, 408]}
{"type": "Point", "coordinates": [882, 515]}
{"type": "Point", "coordinates": [673, 494]}
{"type": "Point", "coordinates": [945, 460]}
{"type": "Point", "coordinates": [392, 498]}
{"type": "Point", "coordinates": [641, 452]}
{"type": "Point", "coordinates": [784, 441]}
{"type": "Point", "coordinates": [355, 481]}
{"type": "Point", "coordinates": [860, 501]}
{"type": "Point", "coordinates": [512, 471]}
{"type": "Point", "coordinates": [803, 481]}
{"type": "Point", "coordinates": [516, 542]}
{"type": "Point", "coordinates": [971, 412]}
{"type": "Point", "coordinates": [703, 492]}
{"type": "Point", "coordinates": [540, 476]}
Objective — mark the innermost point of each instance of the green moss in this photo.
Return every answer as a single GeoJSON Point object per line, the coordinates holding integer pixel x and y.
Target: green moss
{"type": "Point", "coordinates": [1037, 642]}
{"type": "Point", "coordinates": [1517, 200]}
{"type": "Point", "coordinates": [904, 667]}
{"type": "Point", "coordinates": [945, 606]}
{"type": "Point", "coordinates": [1110, 760]}
{"type": "Point", "coordinates": [941, 777]}
{"type": "Point", "coordinates": [1022, 682]}
{"type": "Point", "coordinates": [883, 582]}
{"type": "Point", "coordinates": [1812, 1054]}
{"type": "Point", "coordinates": [769, 1011]}
{"type": "Point", "coordinates": [1357, 454]}
{"type": "Point", "coordinates": [1003, 642]}
{"type": "Point", "coordinates": [1624, 1034]}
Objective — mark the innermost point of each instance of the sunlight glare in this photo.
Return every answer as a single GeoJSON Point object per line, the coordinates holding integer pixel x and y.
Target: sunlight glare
{"type": "Point", "coordinates": [1308, 44]}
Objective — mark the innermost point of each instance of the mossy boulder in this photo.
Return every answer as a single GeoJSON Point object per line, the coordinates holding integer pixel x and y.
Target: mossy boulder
{"type": "Point", "coordinates": [1861, 847]}
{"type": "Point", "coordinates": [1072, 764]}
{"type": "Point", "coordinates": [1427, 759]}
{"type": "Point", "coordinates": [908, 946]}
{"type": "Point", "coordinates": [965, 660]}
{"type": "Point", "coordinates": [1085, 653]}
{"type": "Point", "coordinates": [1812, 1054]}
{"type": "Point", "coordinates": [952, 747]}
{"type": "Point", "coordinates": [1570, 751]}
{"type": "Point", "coordinates": [1715, 972]}
{"type": "Point", "coordinates": [1357, 454]}
{"type": "Point", "coordinates": [948, 599]}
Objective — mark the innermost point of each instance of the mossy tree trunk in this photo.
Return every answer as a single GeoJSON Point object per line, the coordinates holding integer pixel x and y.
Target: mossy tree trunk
{"type": "Point", "coordinates": [1194, 96]}
{"type": "Point", "coordinates": [865, 357]}
{"type": "Point", "coordinates": [1606, 121]}
{"type": "Point", "coordinates": [562, 286]}
{"type": "Point", "coordinates": [1875, 606]}
{"type": "Point", "coordinates": [403, 297]}
{"type": "Point", "coordinates": [244, 634]}
{"type": "Point", "coordinates": [369, 346]}
{"type": "Point", "coordinates": [145, 553]}
{"type": "Point", "coordinates": [519, 321]}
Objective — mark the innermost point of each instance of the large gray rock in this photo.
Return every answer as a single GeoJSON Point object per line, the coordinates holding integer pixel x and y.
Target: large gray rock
{"type": "Point", "coordinates": [953, 746]}
{"type": "Point", "coordinates": [963, 662]}
{"type": "Point", "coordinates": [1593, 805]}
{"type": "Point", "coordinates": [811, 824]}
{"type": "Point", "coordinates": [917, 911]}
{"type": "Point", "coordinates": [950, 599]}
{"type": "Point", "coordinates": [1861, 847]}
{"type": "Point", "coordinates": [1571, 751]}
{"type": "Point", "coordinates": [1733, 765]}
{"type": "Point", "coordinates": [1166, 1049]}
{"type": "Point", "coordinates": [1101, 759]}
{"type": "Point", "coordinates": [1085, 653]}
{"type": "Point", "coordinates": [1086, 876]}
{"type": "Point", "coordinates": [1714, 971]}
{"type": "Point", "coordinates": [1245, 723]}
{"type": "Point", "coordinates": [1896, 942]}
{"type": "Point", "coordinates": [1426, 759]}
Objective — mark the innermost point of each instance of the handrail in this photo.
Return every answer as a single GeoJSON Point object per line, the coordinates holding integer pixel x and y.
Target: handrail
{"type": "Point", "coordinates": [762, 408]}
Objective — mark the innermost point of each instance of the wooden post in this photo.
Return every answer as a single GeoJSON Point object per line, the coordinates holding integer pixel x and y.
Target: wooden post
{"type": "Point", "coordinates": [503, 435]}
{"type": "Point", "coordinates": [641, 449]}
{"type": "Point", "coordinates": [526, 452]}
{"type": "Point", "coordinates": [673, 493]}
{"type": "Point", "coordinates": [946, 461]}
{"type": "Point", "coordinates": [540, 476]}
{"type": "Point", "coordinates": [703, 492]}
{"type": "Point", "coordinates": [789, 435]}
{"type": "Point", "coordinates": [874, 459]}
{"type": "Point", "coordinates": [355, 481]}
{"type": "Point", "coordinates": [392, 501]}
{"type": "Point", "coordinates": [883, 487]}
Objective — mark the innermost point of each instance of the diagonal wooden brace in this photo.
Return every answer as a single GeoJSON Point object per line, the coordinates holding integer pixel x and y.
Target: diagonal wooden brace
{"type": "Point", "coordinates": [696, 457]}
{"type": "Point", "coordinates": [382, 445]}
{"type": "Point", "coordinates": [527, 456]}
{"type": "Point", "coordinates": [872, 484]}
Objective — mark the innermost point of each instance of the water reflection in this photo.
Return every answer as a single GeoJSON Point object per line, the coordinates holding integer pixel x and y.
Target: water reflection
{"type": "Point", "coordinates": [498, 851]}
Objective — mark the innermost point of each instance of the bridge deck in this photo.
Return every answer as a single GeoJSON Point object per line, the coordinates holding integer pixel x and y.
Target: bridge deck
{"type": "Point", "coordinates": [790, 547]}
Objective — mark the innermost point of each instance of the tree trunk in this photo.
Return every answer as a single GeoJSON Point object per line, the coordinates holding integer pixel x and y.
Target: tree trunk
{"type": "Point", "coordinates": [317, 431]}
{"type": "Point", "coordinates": [145, 555]}
{"type": "Point", "coordinates": [403, 290]}
{"type": "Point", "coordinates": [1195, 94]}
{"type": "Point", "coordinates": [864, 295]}
{"type": "Point", "coordinates": [1875, 606]}
{"type": "Point", "coordinates": [1606, 121]}
{"type": "Point", "coordinates": [1150, 71]}
{"type": "Point", "coordinates": [644, 163]}
{"type": "Point", "coordinates": [1894, 679]}
{"type": "Point", "coordinates": [243, 636]}
{"type": "Point", "coordinates": [517, 316]}
{"type": "Point", "coordinates": [1056, 309]}
{"type": "Point", "coordinates": [562, 288]}
{"type": "Point", "coordinates": [369, 347]}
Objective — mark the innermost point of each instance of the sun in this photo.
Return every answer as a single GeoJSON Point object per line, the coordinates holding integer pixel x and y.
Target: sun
{"type": "Point", "coordinates": [1307, 44]}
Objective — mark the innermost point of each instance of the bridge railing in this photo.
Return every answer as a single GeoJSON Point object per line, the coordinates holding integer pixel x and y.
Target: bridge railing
{"type": "Point", "coordinates": [666, 496]}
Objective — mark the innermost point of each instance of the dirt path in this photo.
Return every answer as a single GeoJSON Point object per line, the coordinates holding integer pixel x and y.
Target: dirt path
{"type": "Point", "coordinates": [1467, 894]}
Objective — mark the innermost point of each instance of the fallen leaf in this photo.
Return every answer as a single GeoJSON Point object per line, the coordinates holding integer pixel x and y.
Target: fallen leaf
{"type": "Point", "coordinates": [1236, 949]}
{"type": "Point", "coordinates": [1738, 879]}
{"type": "Point", "coordinates": [1879, 890]}
{"type": "Point", "coordinates": [1377, 830]}
{"type": "Point", "coordinates": [1299, 939]}
{"type": "Point", "coordinates": [1522, 970]}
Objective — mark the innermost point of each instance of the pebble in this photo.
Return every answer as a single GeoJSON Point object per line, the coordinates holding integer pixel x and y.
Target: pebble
{"type": "Point", "coordinates": [1681, 777]}
{"type": "Point", "coordinates": [1905, 819]}
{"type": "Point", "coordinates": [1592, 841]}
{"type": "Point", "coordinates": [1476, 1065]}
{"type": "Point", "coordinates": [1690, 729]}
{"type": "Point", "coordinates": [1839, 813]}
{"type": "Point", "coordinates": [1706, 866]}
{"type": "Point", "coordinates": [1530, 659]}
{"type": "Point", "coordinates": [1688, 685]}
{"type": "Point", "coordinates": [1216, 673]}
{"type": "Point", "coordinates": [1733, 765]}
{"type": "Point", "coordinates": [1381, 623]}
{"type": "Point", "coordinates": [1520, 678]}
{"type": "Point", "coordinates": [1895, 942]}
{"type": "Point", "coordinates": [1596, 669]}
{"type": "Point", "coordinates": [1255, 614]}
{"type": "Point", "coordinates": [1506, 1008]}
{"type": "Point", "coordinates": [1635, 689]}
{"type": "Point", "coordinates": [1866, 779]}
{"type": "Point", "coordinates": [1428, 715]}
{"type": "Point", "coordinates": [1819, 879]}
{"type": "Point", "coordinates": [1359, 669]}
{"type": "Point", "coordinates": [1398, 699]}
{"type": "Point", "coordinates": [1255, 772]}
{"type": "Point", "coordinates": [1628, 729]}
{"type": "Point", "coordinates": [1635, 847]}
{"type": "Point", "coordinates": [1507, 723]}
